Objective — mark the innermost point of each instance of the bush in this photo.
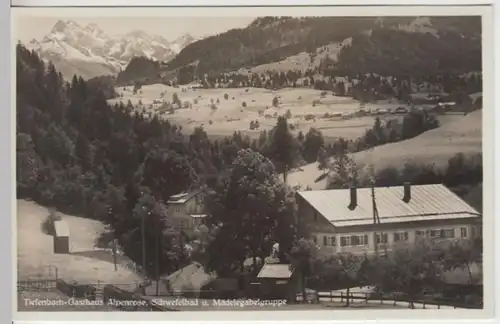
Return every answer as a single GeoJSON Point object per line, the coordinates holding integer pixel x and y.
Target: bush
{"type": "Point", "coordinates": [48, 223]}
{"type": "Point", "coordinates": [226, 96]}
{"type": "Point", "coordinates": [210, 122]}
{"type": "Point", "coordinates": [276, 102]}
{"type": "Point", "coordinates": [309, 117]}
{"type": "Point", "coordinates": [244, 104]}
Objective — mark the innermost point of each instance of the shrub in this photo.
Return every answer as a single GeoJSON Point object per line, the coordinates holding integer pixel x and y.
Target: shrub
{"type": "Point", "coordinates": [275, 102]}
{"type": "Point", "coordinates": [244, 104]}
{"type": "Point", "coordinates": [226, 96]}
{"type": "Point", "coordinates": [48, 223]}
{"type": "Point", "coordinates": [210, 122]}
{"type": "Point", "coordinates": [309, 117]}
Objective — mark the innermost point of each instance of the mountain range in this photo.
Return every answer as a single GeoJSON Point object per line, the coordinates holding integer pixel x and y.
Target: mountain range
{"type": "Point", "coordinates": [89, 52]}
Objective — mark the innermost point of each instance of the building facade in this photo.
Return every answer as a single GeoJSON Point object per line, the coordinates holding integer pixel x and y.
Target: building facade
{"type": "Point", "coordinates": [187, 209]}
{"type": "Point", "coordinates": [345, 220]}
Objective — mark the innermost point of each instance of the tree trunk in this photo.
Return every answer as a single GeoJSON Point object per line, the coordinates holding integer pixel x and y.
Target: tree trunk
{"type": "Point", "coordinates": [303, 287]}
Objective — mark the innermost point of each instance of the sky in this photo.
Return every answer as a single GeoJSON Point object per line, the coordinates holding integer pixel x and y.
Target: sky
{"type": "Point", "coordinates": [170, 28]}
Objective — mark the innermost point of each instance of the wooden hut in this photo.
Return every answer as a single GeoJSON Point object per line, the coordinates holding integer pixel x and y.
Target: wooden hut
{"type": "Point", "coordinates": [277, 281]}
{"type": "Point", "coordinates": [61, 237]}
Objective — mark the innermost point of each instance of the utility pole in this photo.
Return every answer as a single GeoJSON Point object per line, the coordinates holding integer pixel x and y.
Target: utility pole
{"type": "Point", "coordinates": [376, 219]}
{"type": "Point", "coordinates": [143, 232]}
{"type": "Point", "coordinates": [157, 253]}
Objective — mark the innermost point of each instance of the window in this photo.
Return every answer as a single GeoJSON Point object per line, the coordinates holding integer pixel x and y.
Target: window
{"type": "Point", "coordinates": [448, 233]}
{"type": "Point", "coordinates": [315, 240]}
{"type": "Point", "coordinates": [345, 241]}
{"type": "Point", "coordinates": [325, 240]}
{"type": "Point", "coordinates": [401, 237]}
{"type": "Point", "coordinates": [434, 233]}
{"type": "Point", "coordinates": [419, 233]}
{"type": "Point", "coordinates": [463, 232]}
{"type": "Point", "coordinates": [333, 241]}
{"type": "Point", "coordinates": [353, 240]}
{"type": "Point", "coordinates": [384, 236]}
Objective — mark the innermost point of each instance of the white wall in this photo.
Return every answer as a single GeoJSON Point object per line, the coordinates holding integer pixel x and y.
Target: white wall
{"type": "Point", "coordinates": [369, 247]}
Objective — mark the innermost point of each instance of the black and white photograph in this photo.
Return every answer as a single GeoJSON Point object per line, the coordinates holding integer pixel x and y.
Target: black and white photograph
{"type": "Point", "coordinates": [249, 163]}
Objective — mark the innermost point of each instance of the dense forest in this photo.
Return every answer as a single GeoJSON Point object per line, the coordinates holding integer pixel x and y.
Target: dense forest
{"type": "Point", "coordinates": [453, 48]}
{"type": "Point", "coordinates": [80, 155]}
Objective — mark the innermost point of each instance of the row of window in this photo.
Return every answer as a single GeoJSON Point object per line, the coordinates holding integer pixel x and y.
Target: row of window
{"type": "Point", "coordinates": [383, 238]}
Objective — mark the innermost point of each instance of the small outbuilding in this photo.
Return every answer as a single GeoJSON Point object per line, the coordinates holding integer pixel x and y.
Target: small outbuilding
{"type": "Point", "coordinates": [278, 281]}
{"type": "Point", "coordinates": [61, 237]}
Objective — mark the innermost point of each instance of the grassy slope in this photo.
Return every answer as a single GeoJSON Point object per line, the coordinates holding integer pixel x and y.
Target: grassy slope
{"type": "Point", "coordinates": [435, 146]}
{"type": "Point", "coordinates": [231, 116]}
{"type": "Point", "coordinates": [84, 264]}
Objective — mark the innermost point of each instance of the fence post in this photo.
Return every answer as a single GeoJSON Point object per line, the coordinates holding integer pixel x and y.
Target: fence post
{"type": "Point", "coordinates": [331, 295]}
{"type": "Point", "coordinates": [439, 306]}
{"type": "Point", "coordinates": [366, 298]}
{"type": "Point", "coordinates": [394, 298]}
{"type": "Point", "coordinates": [341, 297]}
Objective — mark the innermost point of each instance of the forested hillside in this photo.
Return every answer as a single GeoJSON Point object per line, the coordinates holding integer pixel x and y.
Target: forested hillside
{"type": "Point", "coordinates": [392, 46]}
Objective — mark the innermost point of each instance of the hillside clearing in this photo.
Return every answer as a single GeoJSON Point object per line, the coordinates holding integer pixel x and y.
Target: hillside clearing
{"type": "Point", "coordinates": [436, 146]}
{"type": "Point", "coordinates": [84, 264]}
{"type": "Point", "coordinates": [230, 115]}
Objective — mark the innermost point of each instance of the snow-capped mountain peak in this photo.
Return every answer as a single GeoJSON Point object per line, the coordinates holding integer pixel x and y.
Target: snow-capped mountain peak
{"type": "Point", "coordinates": [71, 44]}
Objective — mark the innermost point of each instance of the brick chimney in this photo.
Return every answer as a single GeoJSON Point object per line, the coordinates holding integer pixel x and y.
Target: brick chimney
{"type": "Point", "coordinates": [407, 192]}
{"type": "Point", "coordinates": [354, 198]}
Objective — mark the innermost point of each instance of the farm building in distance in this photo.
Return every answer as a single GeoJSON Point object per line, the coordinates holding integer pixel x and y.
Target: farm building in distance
{"type": "Point", "coordinates": [343, 220]}
{"type": "Point", "coordinates": [61, 237]}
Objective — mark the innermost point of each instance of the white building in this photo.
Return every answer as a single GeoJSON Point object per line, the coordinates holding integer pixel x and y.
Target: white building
{"type": "Point", "coordinates": [342, 220]}
{"type": "Point", "coordinates": [187, 209]}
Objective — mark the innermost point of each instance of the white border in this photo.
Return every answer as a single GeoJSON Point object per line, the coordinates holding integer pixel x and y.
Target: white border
{"type": "Point", "coordinates": [303, 11]}
{"type": "Point", "coordinates": [183, 3]}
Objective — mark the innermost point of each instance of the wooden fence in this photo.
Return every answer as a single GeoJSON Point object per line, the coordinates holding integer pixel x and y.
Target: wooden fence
{"type": "Point", "coordinates": [37, 285]}
{"type": "Point", "coordinates": [394, 300]}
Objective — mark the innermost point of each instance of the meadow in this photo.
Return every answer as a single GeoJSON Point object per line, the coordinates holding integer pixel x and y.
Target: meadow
{"type": "Point", "coordinates": [308, 108]}
{"type": "Point", "coordinates": [85, 263]}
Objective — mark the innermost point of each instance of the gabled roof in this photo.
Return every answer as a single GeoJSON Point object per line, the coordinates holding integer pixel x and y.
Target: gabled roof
{"type": "Point", "coordinates": [275, 271]}
{"type": "Point", "coordinates": [427, 202]}
{"type": "Point", "coordinates": [183, 197]}
{"type": "Point", "coordinates": [61, 228]}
